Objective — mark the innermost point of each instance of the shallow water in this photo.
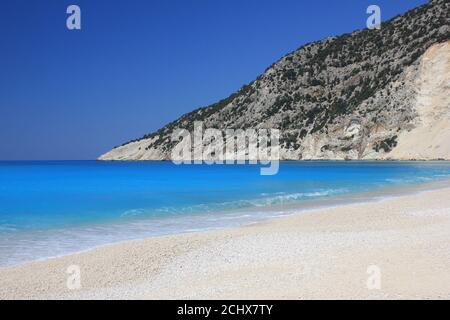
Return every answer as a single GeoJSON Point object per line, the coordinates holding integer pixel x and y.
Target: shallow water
{"type": "Point", "coordinates": [52, 208]}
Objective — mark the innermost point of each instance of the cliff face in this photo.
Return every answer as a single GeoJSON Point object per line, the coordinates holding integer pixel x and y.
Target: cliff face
{"type": "Point", "coordinates": [430, 136]}
{"type": "Point", "coordinates": [371, 94]}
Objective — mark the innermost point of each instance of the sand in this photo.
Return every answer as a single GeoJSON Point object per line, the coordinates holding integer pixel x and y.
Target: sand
{"type": "Point", "coordinates": [403, 242]}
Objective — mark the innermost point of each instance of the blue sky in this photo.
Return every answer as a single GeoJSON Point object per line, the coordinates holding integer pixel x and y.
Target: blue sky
{"type": "Point", "coordinates": [136, 65]}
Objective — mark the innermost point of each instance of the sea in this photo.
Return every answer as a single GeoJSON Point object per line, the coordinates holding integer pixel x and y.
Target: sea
{"type": "Point", "coordinates": [55, 208]}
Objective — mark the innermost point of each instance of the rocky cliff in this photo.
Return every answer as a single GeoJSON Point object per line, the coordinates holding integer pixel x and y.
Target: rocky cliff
{"type": "Point", "coordinates": [371, 94]}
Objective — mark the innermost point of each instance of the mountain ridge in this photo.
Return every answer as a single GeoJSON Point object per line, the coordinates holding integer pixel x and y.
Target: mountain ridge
{"type": "Point", "coordinates": [354, 96]}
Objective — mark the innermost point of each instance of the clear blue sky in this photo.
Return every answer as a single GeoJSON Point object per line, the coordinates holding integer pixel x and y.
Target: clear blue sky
{"type": "Point", "coordinates": [138, 64]}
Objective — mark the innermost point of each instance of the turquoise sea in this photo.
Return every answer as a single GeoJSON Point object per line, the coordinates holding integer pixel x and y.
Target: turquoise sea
{"type": "Point", "coordinates": [52, 208]}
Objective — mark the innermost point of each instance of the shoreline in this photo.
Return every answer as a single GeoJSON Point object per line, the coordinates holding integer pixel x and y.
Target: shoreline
{"type": "Point", "coordinates": [139, 268]}
{"type": "Point", "coordinates": [272, 212]}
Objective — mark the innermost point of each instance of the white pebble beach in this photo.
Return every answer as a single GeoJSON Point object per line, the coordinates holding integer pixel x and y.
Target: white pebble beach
{"type": "Point", "coordinates": [320, 254]}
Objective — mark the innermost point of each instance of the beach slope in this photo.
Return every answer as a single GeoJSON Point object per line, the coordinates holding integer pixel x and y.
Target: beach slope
{"type": "Point", "coordinates": [393, 249]}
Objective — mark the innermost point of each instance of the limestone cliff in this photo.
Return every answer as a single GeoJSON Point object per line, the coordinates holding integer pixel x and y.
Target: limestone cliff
{"type": "Point", "coordinates": [371, 94]}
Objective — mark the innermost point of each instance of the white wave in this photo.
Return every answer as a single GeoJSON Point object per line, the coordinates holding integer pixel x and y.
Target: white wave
{"type": "Point", "coordinates": [296, 196]}
{"type": "Point", "coordinates": [268, 200]}
{"type": "Point", "coordinates": [133, 213]}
